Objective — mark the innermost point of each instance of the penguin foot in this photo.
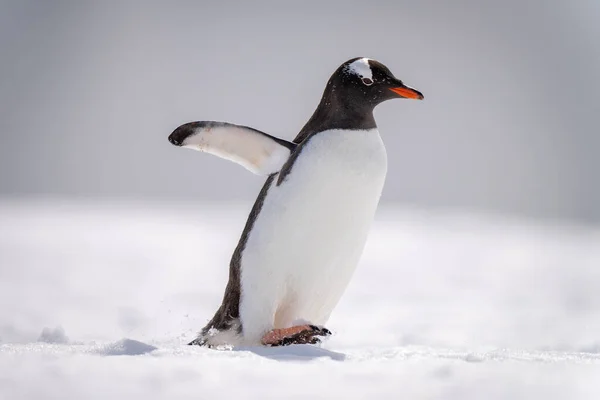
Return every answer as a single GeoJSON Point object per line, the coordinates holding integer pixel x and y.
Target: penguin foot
{"type": "Point", "coordinates": [197, 342]}
{"type": "Point", "coordinates": [302, 334]}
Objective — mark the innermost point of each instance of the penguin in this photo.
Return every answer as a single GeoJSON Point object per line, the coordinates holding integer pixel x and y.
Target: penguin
{"type": "Point", "coordinates": [307, 229]}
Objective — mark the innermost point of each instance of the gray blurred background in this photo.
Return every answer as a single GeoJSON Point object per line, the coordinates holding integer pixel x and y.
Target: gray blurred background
{"type": "Point", "coordinates": [89, 92]}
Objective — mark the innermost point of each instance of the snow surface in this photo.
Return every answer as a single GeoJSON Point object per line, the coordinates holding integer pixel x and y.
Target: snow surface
{"type": "Point", "coordinates": [97, 301]}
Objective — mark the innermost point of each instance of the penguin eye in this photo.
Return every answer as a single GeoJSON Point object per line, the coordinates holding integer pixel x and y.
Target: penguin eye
{"type": "Point", "coordinates": [367, 81]}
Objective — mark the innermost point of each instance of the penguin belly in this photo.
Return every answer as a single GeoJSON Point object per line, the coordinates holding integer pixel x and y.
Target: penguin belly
{"type": "Point", "coordinates": [310, 233]}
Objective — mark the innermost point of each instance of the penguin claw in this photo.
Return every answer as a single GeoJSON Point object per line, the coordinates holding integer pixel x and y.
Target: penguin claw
{"type": "Point", "coordinates": [320, 330]}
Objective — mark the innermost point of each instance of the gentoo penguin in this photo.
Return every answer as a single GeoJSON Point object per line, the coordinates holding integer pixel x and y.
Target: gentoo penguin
{"type": "Point", "coordinates": [309, 224]}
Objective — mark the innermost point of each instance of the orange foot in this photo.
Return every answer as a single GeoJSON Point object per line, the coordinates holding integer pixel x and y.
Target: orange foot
{"type": "Point", "coordinates": [301, 334]}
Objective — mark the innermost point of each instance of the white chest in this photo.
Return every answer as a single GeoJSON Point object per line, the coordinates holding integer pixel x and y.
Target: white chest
{"type": "Point", "coordinates": [308, 238]}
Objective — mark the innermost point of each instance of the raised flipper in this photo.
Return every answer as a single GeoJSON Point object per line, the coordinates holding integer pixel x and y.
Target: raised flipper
{"type": "Point", "coordinates": [254, 150]}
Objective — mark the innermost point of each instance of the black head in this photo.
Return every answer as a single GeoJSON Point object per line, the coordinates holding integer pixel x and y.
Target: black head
{"type": "Point", "coordinates": [352, 93]}
{"type": "Point", "coordinates": [366, 82]}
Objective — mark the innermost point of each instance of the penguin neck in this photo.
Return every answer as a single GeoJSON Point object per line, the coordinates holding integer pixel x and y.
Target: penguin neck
{"type": "Point", "coordinates": [337, 111]}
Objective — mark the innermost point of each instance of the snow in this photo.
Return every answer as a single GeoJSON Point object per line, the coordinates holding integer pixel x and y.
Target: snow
{"type": "Point", "coordinates": [99, 299]}
{"type": "Point", "coordinates": [56, 335]}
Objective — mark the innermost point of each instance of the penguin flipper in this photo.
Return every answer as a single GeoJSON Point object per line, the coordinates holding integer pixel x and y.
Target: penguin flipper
{"type": "Point", "coordinates": [254, 150]}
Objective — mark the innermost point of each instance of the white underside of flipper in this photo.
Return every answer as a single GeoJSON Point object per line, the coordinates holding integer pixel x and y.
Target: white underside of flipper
{"type": "Point", "coordinates": [252, 149]}
{"type": "Point", "coordinates": [305, 244]}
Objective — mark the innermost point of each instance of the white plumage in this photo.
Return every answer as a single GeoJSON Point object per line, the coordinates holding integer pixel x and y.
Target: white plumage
{"type": "Point", "coordinates": [361, 68]}
{"type": "Point", "coordinates": [310, 234]}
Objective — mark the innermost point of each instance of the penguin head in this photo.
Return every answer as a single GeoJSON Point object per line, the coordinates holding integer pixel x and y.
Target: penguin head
{"type": "Point", "coordinates": [364, 82]}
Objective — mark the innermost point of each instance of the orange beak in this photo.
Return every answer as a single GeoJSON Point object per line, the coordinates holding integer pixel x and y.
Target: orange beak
{"type": "Point", "coordinates": [406, 92]}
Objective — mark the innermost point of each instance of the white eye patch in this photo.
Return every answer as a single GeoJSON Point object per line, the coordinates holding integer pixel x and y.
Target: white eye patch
{"type": "Point", "coordinates": [361, 68]}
